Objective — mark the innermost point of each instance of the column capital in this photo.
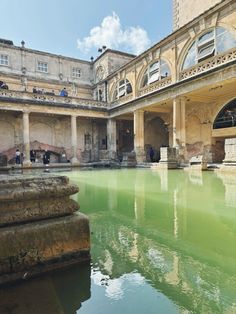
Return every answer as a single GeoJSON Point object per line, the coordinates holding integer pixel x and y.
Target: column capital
{"type": "Point", "coordinates": [26, 111]}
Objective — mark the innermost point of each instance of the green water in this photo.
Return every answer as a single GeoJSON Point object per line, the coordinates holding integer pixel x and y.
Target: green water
{"type": "Point", "coordinates": [162, 242]}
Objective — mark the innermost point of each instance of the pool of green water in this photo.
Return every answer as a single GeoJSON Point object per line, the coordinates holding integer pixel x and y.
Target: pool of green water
{"type": "Point", "coordinates": [162, 242]}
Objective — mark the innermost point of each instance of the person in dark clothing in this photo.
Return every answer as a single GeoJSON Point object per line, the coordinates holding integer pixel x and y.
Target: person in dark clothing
{"type": "Point", "coordinates": [46, 157]}
{"type": "Point", "coordinates": [32, 155]}
{"type": "Point", "coordinates": [18, 155]}
{"type": "Point", "coordinates": [151, 154]}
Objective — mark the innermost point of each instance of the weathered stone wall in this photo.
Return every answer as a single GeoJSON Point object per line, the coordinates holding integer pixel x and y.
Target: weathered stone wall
{"type": "Point", "coordinates": [186, 10]}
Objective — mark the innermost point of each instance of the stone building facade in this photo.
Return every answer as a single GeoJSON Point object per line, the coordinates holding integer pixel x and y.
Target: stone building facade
{"type": "Point", "coordinates": [179, 93]}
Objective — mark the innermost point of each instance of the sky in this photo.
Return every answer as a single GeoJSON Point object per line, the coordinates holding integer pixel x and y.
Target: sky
{"type": "Point", "coordinates": [77, 28]}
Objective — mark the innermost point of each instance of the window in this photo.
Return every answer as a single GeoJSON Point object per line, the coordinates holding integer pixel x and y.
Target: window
{"type": "Point", "coordinates": [123, 88]}
{"type": "Point", "coordinates": [4, 59]}
{"type": "Point", "coordinates": [76, 72]}
{"type": "Point", "coordinates": [42, 67]}
{"type": "Point", "coordinates": [209, 44]}
{"type": "Point", "coordinates": [156, 71]}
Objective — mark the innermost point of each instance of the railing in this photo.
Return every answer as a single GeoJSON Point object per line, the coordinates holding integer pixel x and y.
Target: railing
{"type": "Point", "coordinates": [209, 64]}
{"type": "Point", "coordinates": [51, 99]}
{"type": "Point", "coordinates": [155, 86]}
{"type": "Point", "coordinates": [121, 100]}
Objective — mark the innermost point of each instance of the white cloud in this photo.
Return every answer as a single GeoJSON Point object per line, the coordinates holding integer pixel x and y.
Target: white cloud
{"type": "Point", "coordinates": [110, 34]}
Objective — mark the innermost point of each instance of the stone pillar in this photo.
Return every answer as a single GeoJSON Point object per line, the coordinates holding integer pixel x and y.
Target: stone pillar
{"type": "Point", "coordinates": [139, 135]}
{"type": "Point", "coordinates": [74, 159]}
{"type": "Point", "coordinates": [111, 138]}
{"type": "Point", "coordinates": [179, 129]}
{"type": "Point", "coordinates": [230, 152]}
{"type": "Point", "coordinates": [26, 140]}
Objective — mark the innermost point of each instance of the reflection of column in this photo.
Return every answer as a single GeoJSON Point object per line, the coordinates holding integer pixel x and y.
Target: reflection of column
{"type": "Point", "coordinates": [111, 138]}
{"type": "Point", "coordinates": [112, 192]}
{"type": "Point", "coordinates": [139, 198]}
{"type": "Point", "coordinates": [179, 130]}
{"type": "Point", "coordinates": [139, 135]}
{"type": "Point", "coordinates": [74, 159]}
{"type": "Point", "coordinates": [175, 215]}
{"type": "Point", "coordinates": [26, 139]}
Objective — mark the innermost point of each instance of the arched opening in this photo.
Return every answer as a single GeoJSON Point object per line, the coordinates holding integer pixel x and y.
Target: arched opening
{"type": "Point", "coordinates": [122, 89]}
{"type": "Point", "coordinates": [208, 44]}
{"type": "Point", "coordinates": [156, 135]}
{"type": "Point", "coordinates": [155, 72]}
{"type": "Point", "coordinates": [226, 118]}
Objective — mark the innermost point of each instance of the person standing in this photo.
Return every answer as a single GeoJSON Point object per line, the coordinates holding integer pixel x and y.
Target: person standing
{"type": "Point", "coordinates": [46, 157]}
{"type": "Point", "coordinates": [17, 156]}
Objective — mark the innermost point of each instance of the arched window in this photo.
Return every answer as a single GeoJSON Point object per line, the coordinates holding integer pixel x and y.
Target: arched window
{"type": "Point", "coordinates": [226, 118]}
{"type": "Point", "coordinates": [123, 88]}
{"type": "Point", "coordinates": [155, 71]}
{"type": "Point", "coordinates": [215, 41]}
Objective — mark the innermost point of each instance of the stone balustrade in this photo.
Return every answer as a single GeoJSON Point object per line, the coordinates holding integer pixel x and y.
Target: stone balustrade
{"type": "Point", "coordinates": [51, 99]}
{"type": "Point", "coordinates": [155, 86]}
{"type": "Point", "coordinates": [209, 64]}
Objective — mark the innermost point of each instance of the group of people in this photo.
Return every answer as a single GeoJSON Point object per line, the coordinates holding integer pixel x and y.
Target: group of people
{"type": "Point", "coordinates": [19, 157]}
{"type": "Point", "coordinates": [42, 91]}
{"type": "Point", "coordinates": [63, 92]}
{"type": "Point", "coordinates": [3, 85]}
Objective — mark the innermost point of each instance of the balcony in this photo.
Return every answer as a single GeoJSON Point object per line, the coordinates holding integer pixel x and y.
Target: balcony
{"type": "Point", "coordinates": [44, 99]}
{"type": "Point", "coordinates": [209, 64]}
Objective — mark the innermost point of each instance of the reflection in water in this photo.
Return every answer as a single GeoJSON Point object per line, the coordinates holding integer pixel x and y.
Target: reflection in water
{"type": "Point", "coordinates": [162, 242]}
{"type": "Point", "coordinates": [175, 229]}
{"type": "Point", "coordinates": [57, 293]}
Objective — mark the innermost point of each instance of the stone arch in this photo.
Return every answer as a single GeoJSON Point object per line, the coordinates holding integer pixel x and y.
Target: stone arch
{"type": "Point", "coordinates": [41, 132]}
{"type": "Point", "coordinates": [226, 116]}
{"type": "Point", "coordinates": [191, 41]}
{"type": "Point", "coordinates": [145, 67]}
{"type": "Point", "coordinates": [155, 135]}
{"type": "Point", "coordinates": [7, 135]}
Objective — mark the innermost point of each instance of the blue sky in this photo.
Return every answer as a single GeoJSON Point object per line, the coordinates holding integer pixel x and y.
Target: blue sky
{"type": "Point", "coordinates": [77, 28]}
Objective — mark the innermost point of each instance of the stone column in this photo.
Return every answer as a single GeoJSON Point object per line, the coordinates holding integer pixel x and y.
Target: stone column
{"type": "Point", "coordinates": [74, 159]}
{"type": "Point", "coordinates": [111, 138]}
{"type": "Point", "coordinates": [139, 136]}
{"type": "Point", "coordinates": [26, 140]}
{"type": "Point", "coordinates": [179, 129]}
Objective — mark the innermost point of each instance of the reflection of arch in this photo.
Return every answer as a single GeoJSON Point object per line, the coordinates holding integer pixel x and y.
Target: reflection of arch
{"type": "Point", "coordinates": [6, 135]}
{"type": "Point", "coordinates": [226, 118]}
{"type": "Point", "coordinates": [208, 43]}
{"type": "Point", "coordinates": [42, 133]}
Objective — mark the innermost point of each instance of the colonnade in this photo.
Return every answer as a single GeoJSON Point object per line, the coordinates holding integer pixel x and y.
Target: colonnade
{"type": "Point", "coordinates": [26, 139]}
{"type": "Point", "coordinates": [177, 133]}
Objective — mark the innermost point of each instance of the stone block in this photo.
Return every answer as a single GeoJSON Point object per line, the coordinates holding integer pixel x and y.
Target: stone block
{"type": "Point", "coordinates": [35, 246]}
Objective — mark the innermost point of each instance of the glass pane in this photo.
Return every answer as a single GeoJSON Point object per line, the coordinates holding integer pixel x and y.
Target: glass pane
{"type": "Point", "coordinates": [206, 50]}
{"type": "Point", "coordinates": [154, 67]}
{"type": "Point", "coordinates": [145, 80]}
{"type": "Point", "coordinates": [165, 70]}
{"type": "Point", "coordinates": [190, 58]}
{"type": "Point", "coordinates": [206, 37]}
{"type": "Point", "coordinates": [224, 40]}
{"type": "Point", "coordinates": [128, 88]}
{"type": "Point", "coordinates": [154, 77]}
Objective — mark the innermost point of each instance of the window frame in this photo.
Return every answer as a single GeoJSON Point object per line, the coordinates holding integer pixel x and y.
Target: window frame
{"type": "Point", "coordinates": [122, 89]}
{"type": "Point", "coordinates": [40, 68]}
{"type": "Point", "coordinates": [4, 59]}
{"type": "Point", "coordinates": [76, 72]}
